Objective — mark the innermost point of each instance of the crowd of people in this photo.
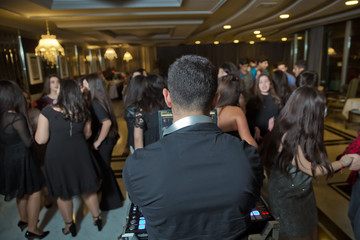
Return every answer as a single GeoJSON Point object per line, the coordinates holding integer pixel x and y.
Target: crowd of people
{"type": "Point", "coordinates": [61, 147]}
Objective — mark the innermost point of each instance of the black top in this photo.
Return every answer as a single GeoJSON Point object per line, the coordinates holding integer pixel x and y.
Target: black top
{"type": "Point", "coordinates": [259, 116]}
{"type": "Point", "coordinates": [149, 123]}
{"type": "Point", "coordinates": [195, 183]}
{"type": "Point", "coordinates": [19, 173]}
{"type": "Point", "coordinates": [99, 115]}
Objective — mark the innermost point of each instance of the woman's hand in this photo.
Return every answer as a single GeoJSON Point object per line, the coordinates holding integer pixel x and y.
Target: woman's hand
{"type": "Point", "coordinates": [257, 134]}
{"type": "Point", "coordinates": [96, 145]}
{"type": "Point", "coordinates": [347, 159]}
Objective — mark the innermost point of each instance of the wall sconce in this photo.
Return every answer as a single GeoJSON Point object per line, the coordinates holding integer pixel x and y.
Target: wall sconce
{"type": "Point", "coordinates": [110, 54]}
{"type": "Point", "coordinates": [127, 56]}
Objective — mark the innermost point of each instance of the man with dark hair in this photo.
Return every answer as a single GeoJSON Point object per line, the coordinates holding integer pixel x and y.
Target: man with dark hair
{"type": "Point", "coordinates": [245, 75]}
{"type": "Point", "coordinates": [291, 79]}
{"type": "Point", "coordinates": [299, 67]}
{"type": "Point", "coordinates": [263, 63]}
{"type": "Point", "coordinates": [196, 182]}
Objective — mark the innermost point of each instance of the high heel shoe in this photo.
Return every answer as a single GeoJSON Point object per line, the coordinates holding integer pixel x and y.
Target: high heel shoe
{"type": "Point", "coordinates": [30, 235]}
{"type": "Point", "coordinates": [72, 229]}
{"type": "Point", "coordinates": [98, 222]}
{"type": "Point", "coordinates": [22, 225]}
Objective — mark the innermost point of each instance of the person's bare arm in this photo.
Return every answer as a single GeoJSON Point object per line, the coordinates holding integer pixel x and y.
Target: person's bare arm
{"type": "Point", "coordinates": [42, 130]}
{"type": "Point", "coordinates": [305, 165]}
{"type": "Point", "coordinates": [105, 128]}
{"type": "Point", "coordinates": [138, 138]}
{"type": "Point", "coordinates": [87, 130]}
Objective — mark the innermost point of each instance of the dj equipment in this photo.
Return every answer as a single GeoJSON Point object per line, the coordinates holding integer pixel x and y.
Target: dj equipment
{"type": "Point", "coordinates": [262, 224]}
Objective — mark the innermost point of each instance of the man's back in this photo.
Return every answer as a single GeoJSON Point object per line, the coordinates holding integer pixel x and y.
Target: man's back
{"type": "Point", "coordinates": [195, 183]}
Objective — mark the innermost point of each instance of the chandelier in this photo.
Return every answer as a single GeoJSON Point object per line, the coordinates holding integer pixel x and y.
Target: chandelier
{"type": "Point", "coordinates": [127, 56]}
{"type": "Point", "coordinates": [110, 54]}
{"type": "Point", "coordinates": [49, 48]}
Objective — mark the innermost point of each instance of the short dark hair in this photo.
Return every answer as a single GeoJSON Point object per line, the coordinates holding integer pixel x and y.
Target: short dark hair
{"type": "Point", "coordinates": [192, 82]}
{"type": "Point", "coordinates": [307, 78]}
{"type": "Point", "coordinates": [262, 59]}
{"type": "Point", "coordinates": [243, 61]}
{"type": "Point", "coordinates": [229, 67]}
{"type": "Point", "coordinates": [301, 64]}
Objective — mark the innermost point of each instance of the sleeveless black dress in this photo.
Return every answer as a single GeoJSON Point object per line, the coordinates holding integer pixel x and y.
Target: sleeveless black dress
{"type": "Point", "coordinates": [19, 173]}
{"type": "Point", "coordinates": [71, 168]}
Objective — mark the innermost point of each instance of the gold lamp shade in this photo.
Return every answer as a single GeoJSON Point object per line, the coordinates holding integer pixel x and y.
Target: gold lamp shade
{"type": "Point", "coordinates": [110, 54]}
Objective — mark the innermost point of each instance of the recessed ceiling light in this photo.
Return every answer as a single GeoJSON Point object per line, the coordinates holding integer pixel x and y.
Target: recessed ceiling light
{"type": "Point", "coordinates": [349, 3]}
{"type": "Point", "coordinates": [263, 38]}
{"type": "Point", "coordinates": [227, 26]}
{"type": "Point", "coordinates": [284, 16]}
{"type": "Point", "coordinates": [216, 42]}
{"type": "Point", "coordinates": [251, 42]}
{"type": "Point", "coordinates": [257, 32]}
{"type": "Point", "coordinates": [197, 42]}
{"type": "Point", "coordinates": [258, 35]}
{"type": "Point", "coordinates": [284, 39]}
{"type": "Point", "coordinates": [236, 41]}
{"type": "Point", "coordinates": [299, 37]}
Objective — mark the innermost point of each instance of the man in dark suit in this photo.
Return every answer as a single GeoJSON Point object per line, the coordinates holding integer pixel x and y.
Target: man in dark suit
{"type": "Point", "coordinates": [196, 182]}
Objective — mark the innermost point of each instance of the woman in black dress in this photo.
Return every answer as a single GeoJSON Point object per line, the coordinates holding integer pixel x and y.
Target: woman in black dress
{"type": "Point", "coordinates": [146, 127]}
{"type": "Point", "coordinates": [104, 138]}
{"type": "Point", "coordinates": [20, 177]}
{"type": "Point", "coordinates": [263, 108]}
{"type": "Point", "coordinates": [132, 97]}
{"type": "Point", "coordinates": [70, 167]}
{"type": "Point", "coordinates": [293, 154]}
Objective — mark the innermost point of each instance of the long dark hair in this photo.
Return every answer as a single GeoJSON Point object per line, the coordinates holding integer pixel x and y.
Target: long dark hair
{"type": "Point", "coordinates": [152, 98]}
{"type": "Point", "coordinates": [300, 124]}
{"type": "Point", "coordinates": [229, 90]}
{"type": "Point", "coordinates": [99, 93]}
{"type": "Point", "coordinates": [12, 99]}
{"type": "Point", "coordinates": [71, 102]}
{"type": "Point", "coordinates": [134, 91]}
{"type": "Point", "coordinates": [259, 97]}
{"type": "Point", "coordinates": [281, 85]}
{"type": "Point", "coordinates": [46, 89]}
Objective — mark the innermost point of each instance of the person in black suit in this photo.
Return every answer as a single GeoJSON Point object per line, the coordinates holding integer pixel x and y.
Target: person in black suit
{"type": "Point", "coordinates": [196, 182]}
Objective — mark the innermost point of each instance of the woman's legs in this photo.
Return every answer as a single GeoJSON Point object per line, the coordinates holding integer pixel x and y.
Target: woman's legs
{"type": "Point", "coordinates": [21, 206]}
{"type": "Point", "coordinates": [33, 210]}
{"type": "Point", "coordinates": [92, 202]}
{"type": "Point", "coordinates": [66, 209]}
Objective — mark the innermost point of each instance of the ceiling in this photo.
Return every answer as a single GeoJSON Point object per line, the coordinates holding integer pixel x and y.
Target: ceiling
{"type": "Point", "coordinates": [168, 22]}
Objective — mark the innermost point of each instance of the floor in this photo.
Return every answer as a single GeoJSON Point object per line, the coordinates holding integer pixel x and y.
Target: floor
{"type": "Point", "coordinates": [332, 201]}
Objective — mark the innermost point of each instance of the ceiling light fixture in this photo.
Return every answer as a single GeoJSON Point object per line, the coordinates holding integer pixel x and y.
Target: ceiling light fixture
{"type": "Point", "coordinates": [299, 37]}
{"type": "Point", "coordinates": [197, 42]}
{"type": "Point", "coordinates": [252, 42]}
{"type": "Point", "coordinates": [257, 32]}
{"type": "Point", "coordinates": [284, 39]}
{"type": "Point", "coordinates": [236, 41]}
{"type": "Point", "coordinates": [258, 35]}
{"type": "Point", "coordinates": [127, 56]}
{"type": "Point", "coordinates": [349, 3]}
{"type": "Point", "coordinates": [284, 16]}
{"type": "Point", "coordinates": [227, 26]}
{"type": "Point", "coordinates": [110, 54]}
{"type": "Point", "coordinates": [48, 47]}
{"type": "Point", "coordinates": [216, 42]}
{"type": "Point", "coordinates": [263, 38]}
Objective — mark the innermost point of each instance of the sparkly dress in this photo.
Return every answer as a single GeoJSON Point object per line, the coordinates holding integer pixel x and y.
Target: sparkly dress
{"type": "Point", "coordinates": [292, 202]}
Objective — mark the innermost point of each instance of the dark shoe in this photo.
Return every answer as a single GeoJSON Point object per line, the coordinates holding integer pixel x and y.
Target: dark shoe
{"type": "Point", "coordinates": [30, 235]}
{"type": "Point", "coordinates": [98, 222]}
{"type": "Point", "coordinates": [22, 225]}
{"type": "Point", "coordinates": [72, 229]}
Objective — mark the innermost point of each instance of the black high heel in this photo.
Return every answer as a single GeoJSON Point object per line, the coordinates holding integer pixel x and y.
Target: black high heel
{"type": "Point", "coordinates": [72, 229]}
{"type": "Point", "coordinates": [98, 222]}
{"type": "Point", "coordinates": [22, 225]}
{"type": "Point", "coordinates": [30, 235]}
